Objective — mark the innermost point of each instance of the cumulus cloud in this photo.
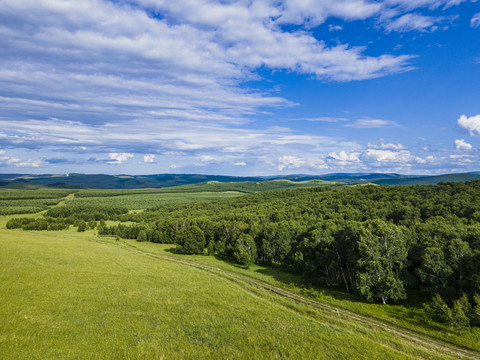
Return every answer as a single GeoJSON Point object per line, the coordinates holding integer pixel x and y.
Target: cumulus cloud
{"type": "Point", "coordinates": [471, 124]}
{"type": "Point", "coordinates": [461, 144]}
{"type": "Point", "coordinates": [388, 156]}
{"type": "Point", "coordinates": [16, 162]}
{"type": "Point", "coordinates": [148, 158]}
{"type": "Point", "coordinates": [118, 158]}
{"type": "Point", "coordinates": [289, 162]}
{"type": "Point", "coordinates": [386, 146]}
{"type": "Point", "coordinates": [343, 158]}
{"type": "Point", "coordinates": [302, 161]}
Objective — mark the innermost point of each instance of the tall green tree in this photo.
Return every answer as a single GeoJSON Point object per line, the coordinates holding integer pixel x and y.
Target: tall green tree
{"type": "Point", "coordinates": [190, 240]}
{"type": "Point", "coordinates": [245, 250]}
{"type": "Point", "coordinates": [434, 270]}
{"type": "Point", "coordinates": [383, 255]}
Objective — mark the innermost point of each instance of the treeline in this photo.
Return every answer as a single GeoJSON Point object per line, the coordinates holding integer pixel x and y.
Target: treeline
{"type": "Point", "coordinates": [45, 223]}
{"type": "Point", "coordinates": [51, 224]}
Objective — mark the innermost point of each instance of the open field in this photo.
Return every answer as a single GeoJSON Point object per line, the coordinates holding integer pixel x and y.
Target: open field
{"type": "Point", "coordinates": [406, 315]}
{"type": "Point", "coordinates": [66, 295]}
{"type": "Point", "coordinates": [145, 201]}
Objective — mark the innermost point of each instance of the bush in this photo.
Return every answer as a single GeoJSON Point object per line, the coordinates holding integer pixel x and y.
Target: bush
{"type": "Point", "coordinates": [190, 240]}
{"type": "Point", "coordinates": [437, 310]}
{"type": "Point", "coordinates": [82, 226]}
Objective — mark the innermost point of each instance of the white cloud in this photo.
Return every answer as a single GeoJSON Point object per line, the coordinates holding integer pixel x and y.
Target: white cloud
{"type": "Point", "coordinates": [297, 162]}
{"type": "Point", "coordinates": [323, 119]}
{"type": "Point", "coordinates": [343, 158]}
{"type": "Point", "coordinates": [387, 146]}
{"type": "Point", "coordinates": [289, 162]}
{"type": "Point", "coordinates": [412, 21]}
{"type": "Point", "coordinates": [148, 158]}
{"type": "Point", "coordinates": [433, 4]}
{"type": "Point", "coordinates": [461, 144]}
{"type": "Point", "coordinates": [118, 158]}
{"type": "Point", "coordinates": [389, 156]}
{"type": "Point", "coordinates": [16, 162]}
{"type": "Point", "coordinates": [241, 163]}
{"type": "Point", "coordinates": [371, 123]}
{"type": "Point", "coordinates": [335, 27]}
{"type": "Point", "coordinates": [211, 159]}
{"type": "Point", "coordinates": [475, 21]}
{"type": "Point", "coordinates": [471, 124]}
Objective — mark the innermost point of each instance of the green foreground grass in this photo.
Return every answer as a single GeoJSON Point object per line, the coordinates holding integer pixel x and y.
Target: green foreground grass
{"type": "Point", "coordinates": [407, 314]}
{"type": "Point", "coordinates": [67, 296]}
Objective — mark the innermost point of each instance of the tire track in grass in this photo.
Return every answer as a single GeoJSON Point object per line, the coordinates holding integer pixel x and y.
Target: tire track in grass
{"type": "Point", "coordinates": [411, 337]}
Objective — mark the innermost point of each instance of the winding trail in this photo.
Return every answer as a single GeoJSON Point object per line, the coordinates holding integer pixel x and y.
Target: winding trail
{"type": "Point", "coordinates": [419, 340]}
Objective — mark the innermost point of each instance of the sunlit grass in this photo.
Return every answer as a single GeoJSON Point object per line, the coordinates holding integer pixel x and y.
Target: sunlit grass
{"type": "Point", "coordinates": [66, 296]}
{"type": "Point", "coordinates": [407, 314]}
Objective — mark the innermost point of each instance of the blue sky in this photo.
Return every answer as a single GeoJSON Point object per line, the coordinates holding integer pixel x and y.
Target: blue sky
{"type": "Point", "coordinates": [247, 87]}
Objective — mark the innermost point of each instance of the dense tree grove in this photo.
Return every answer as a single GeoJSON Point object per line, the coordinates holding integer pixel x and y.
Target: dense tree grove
{"type": "Point", "coordinates": [378, 241]}
{"type": "Point", "coordinates": [375, 240]}
{"type": "Point", "coordinates": [45, 223]}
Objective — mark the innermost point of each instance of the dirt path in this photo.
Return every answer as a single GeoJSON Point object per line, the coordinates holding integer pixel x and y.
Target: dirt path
{"type": "Point", "coordinates": [419, 340]}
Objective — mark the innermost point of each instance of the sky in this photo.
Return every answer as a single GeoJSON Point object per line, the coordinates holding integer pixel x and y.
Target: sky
{"type": "Point", "coordinates": [245, 87]}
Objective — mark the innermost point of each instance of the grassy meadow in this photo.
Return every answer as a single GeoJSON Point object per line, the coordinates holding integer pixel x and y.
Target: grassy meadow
{"type": "Point", "coordinates": [65, 295]}
{"type": "Point", "coordinates": [145, 201]}
{"type": "Point", "coordinates": [407, 314]}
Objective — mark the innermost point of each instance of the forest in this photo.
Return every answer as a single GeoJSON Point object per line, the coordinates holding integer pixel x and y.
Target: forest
{"type": "Point", "coordinates": [377, 241]}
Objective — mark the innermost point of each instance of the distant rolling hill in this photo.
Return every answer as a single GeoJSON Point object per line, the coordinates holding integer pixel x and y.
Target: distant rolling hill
{"type": "Point", "coordinates": [102, 181]}
{"type": "Point", "coordinates": [428, 180]}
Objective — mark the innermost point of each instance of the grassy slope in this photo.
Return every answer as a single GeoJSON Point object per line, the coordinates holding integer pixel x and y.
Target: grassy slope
{"type": "Point", "coordinates": [408, 314]}
{"type": "Point", "coordinates": [429, 180]}
{"type": "Point", "coordinates": [66, 297]}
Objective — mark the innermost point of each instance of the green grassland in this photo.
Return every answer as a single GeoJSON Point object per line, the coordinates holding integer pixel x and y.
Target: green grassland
{"type": "Point", "coordinates": [252, 186]}
{"type": "Point", "coordinates": [145, 201]}
{"type": "Point", "coordinates": [407, 314]}
{"type": "Point", "coordinates": [66, 295]}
